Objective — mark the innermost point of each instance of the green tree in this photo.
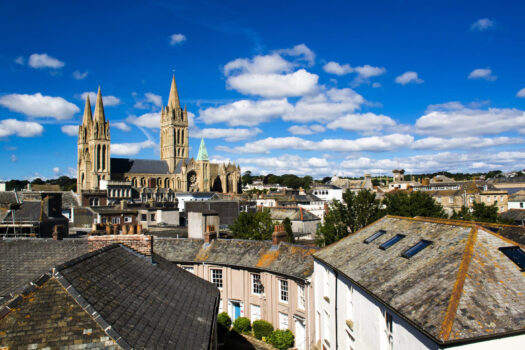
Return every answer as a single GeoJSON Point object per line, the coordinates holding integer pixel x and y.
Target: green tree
{"type": "Point", "coordinates": [247, 178]}
{"type": "Point", "coordinates": [288, 228]}
{"type": "Point", "coordinates": [256, 226]}
{"type": "Point", "coordinates": [326, 179]}
{"type": "Point", "coordinates": [412, 204]}
{"type": "Point", "coordinates": [480, 212]}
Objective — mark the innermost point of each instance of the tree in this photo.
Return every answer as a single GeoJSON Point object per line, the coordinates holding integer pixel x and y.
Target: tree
{"type": "Point", "coordinates": [326, 179]}
{"type": "Point", "coordinates": [247, 178]}
{"type": "Point", "coordinates": [355, 212]}
{"type": "Point", "coordinates": [288, 228]}
{"type": "Point", "coordinates": [480, 212]}
{"type": "Point", "coordinates": [256, 226]}
{"type": "Point", "coordinates": [412, 204]}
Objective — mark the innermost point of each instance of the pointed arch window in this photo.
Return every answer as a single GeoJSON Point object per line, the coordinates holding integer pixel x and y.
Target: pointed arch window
{"type": "Point", "coordinates": [104, 157]}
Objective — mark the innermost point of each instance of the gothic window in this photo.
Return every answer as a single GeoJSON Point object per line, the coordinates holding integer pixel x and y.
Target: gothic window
{"type": "Point", "coordinates": [178, 137]}
{"type": "Point", "coordinates": [82, 179]}
{"type": "Point", "coordinates": [166, 183]}
{"type": "Point", "coordinates": [98, 157]}
{"type": "Point", "coordinates": [142, 182]}
{"type": "Point", "coordinates": [104, 157]}
{"type": "Point", "coordinates": [182, 136]}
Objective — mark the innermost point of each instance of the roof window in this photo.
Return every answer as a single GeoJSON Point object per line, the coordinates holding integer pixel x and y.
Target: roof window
{"type": "Point", "coordinates": [516, 255]}
{"type": "Point", "coordinates": [375, 236]}
{"type": "Point", "coordinates": [410, 252]}
{"type": "Point", "coordinates": [391, 242]}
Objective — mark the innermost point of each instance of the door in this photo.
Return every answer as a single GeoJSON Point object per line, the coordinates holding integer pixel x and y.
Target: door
{"type": "Point", "coordinates": [236, 310]}
{"type": "Point", "coordinates": [300, 334]}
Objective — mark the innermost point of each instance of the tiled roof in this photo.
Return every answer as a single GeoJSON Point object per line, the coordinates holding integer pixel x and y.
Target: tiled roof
{"type": "Point", "coordinates": [28, 211]}
{"type": "Point", "coordinates": [138, 166]}
{"type": "Point", "coordinates": [7, 197]}
{"type": "Point", "coordinates": [460, 287]}
{"type": "Point", "coordinates": [70, 200]}
{"type": "Point", "coordinates": [287, 259]}
{"type": "Point", "coordinates": [292, 213]}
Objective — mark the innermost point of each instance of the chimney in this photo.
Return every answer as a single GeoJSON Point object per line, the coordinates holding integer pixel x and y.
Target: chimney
{"type": "Point", "coordinates": [425, 181]}
{"type": "Point", "coordinates": [123, 204]}
{"type": "Point", "coordinates": [57, 232]}
{"type": "Point", "coordinates": [278, 235]}
{"type": "Point", "coordinates": [210, 235]}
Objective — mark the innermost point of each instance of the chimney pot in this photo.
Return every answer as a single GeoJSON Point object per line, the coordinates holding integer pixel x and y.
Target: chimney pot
{"type": "Point", "coordinates": [210, 234]}
{"type": "Point", "coordinates": [279, 234]}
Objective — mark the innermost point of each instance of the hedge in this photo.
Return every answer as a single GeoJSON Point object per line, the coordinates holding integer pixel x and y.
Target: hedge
{"type": "Point", "coordinates": [262, 329]}
{"type": "Point", "coordinates": [224, 320]}
{"type": "Point", "coordinates": [281, 339]}
{"type": "Point", "coordinates": [242, 325]}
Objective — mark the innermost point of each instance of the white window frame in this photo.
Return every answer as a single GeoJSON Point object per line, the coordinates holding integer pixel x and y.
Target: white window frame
{"type": "Point", "coordinates": [284, 291]}
{"type": "Point", "coordinates": [215, 278]}
{"type": "Point", "coordinates": [189, 269]}
{"type": "Point", "coordinates": [301, 297]}
{"type": "Point", "coordinates": [115, 220]}
{"type": "Point", "coordinates": [128, 219]}
{"type": "Point", "coordinates": [257, 286]}
{"type": "Point", "coordinates": [252, 316]}
{"type": "Point", "coordinates": [283, 321]}
{"type": "Point", "coordinates": [389, 328]}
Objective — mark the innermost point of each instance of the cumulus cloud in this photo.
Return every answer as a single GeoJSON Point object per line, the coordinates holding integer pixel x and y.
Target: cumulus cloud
{"type": "Point", "coordinates": [301, 51]}
{"type": "Point", "coordinates": [177, 38]}
{"type": "Point", "coordinates": [16, 127]}
{"type": "Point", "coordinates": [229, 134]}
{"type": "Point", "coordinates": [71, 130]}
{"type": "Point", "coordinates": [521, 93]}
{"type": "Point", "coordinates": [337, 69]}
{"type": "Point", "coordinates": [38, 105]}
{"type": "Point", "coordinates": [287, 164]}
{"type": "Point", "coordinates": [148, 120]}
{"type": "Point", "coordinates": [364, 73]}
{"type": "Point", "coordinates": [121, 126]}
{"type": "Point", "coordinates": [56, 170]}
{"type": "Point", "coordinates": [78, 75]}
{"type": "Point", "coordinates": [44, 61]}
{"type": "Point", "coordinates": [367, 122]}
{"type": "Point", "coordinates": [454, 119]}
{"type": "Point", "coordinates": [370, 144]}
{"type": "Point", "coordinates": [20, 60]}
{"type": "Point", "coordinates": [440, 143]}
{"type": "Point", "coordinates": [266, 64]}
{"type": "Point", "coordinates": [306, 129]}
{"type": "Point", "coordinates": [408, 77]}
{"type": "Point", "coordinates": [482, 73]}
{"type": "Point", "coordinates": [154, 99]}
{"type": "Point", "coordinates": [482, 24]}
{"type": "Point", "coordinates": [108, 100]}
{"type": "Point", "coordinates": [130, 149]}
{"type": "Point", "coordinates": [245, 112]}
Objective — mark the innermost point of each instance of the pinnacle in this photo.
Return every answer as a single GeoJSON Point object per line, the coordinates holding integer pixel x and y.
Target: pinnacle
{"type": "Point", "coordinates": [99, 108]}
{"type": "Point", "coordinates": [173, 101]}
{"type": "Point", "coordinates": [88, 117]}
{"type": "Point", "coordinates": [203, 152]}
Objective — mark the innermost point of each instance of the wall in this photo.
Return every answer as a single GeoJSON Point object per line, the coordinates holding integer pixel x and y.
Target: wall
{"type": "Point", "coordinates": [170, 217]}
{"type": "Point", "coordinates": [140, 243]}
{"type": "Point", "coordinates": [514, 342]}
{"type": "Point", "coordinates": [197, 223]}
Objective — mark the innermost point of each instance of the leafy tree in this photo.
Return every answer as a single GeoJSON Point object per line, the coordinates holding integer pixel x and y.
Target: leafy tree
{"type": "Point", "coordinates": [256, 226]}
{"type": "Point", "coordinates": [412, 204]}
{"type": "Point", "coordinates": [480, 212]}
{"type": "Point", "coordinates": [326, 179]}
{"type": "Point", "coordinates": [288, 228]}
{"type": "Point", "coordinates": [37, 181]}
{"type": "Point", "coordinates": [247, 178]}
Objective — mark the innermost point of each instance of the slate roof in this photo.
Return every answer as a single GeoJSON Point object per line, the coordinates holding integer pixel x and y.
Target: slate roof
{"type": "Point", "coordinates": [7, 197]}
{"type": "Point", "coordinates": [460, 287]}
{"type": "Point", "coordinates": [28, 211]}
{"type": "Point", "coordinates": [139, 166]}
{"type": "Point", "coordinates": [292, 213]}
{"type": "Point", "coordinates": [287, 259]}
{"type": "Point", "coordinates": [70, 200]}
{"type": "Point", "coordinates": [517, 215]}
{"type": "Point", "coordinates": [24, 259]}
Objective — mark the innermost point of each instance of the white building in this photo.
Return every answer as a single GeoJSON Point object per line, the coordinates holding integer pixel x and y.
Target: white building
{"type": "Point", "coordinates": [417, 284]}
{"type": "Point", "coordinates": [517, 200]}
{"type": "Point", "coordinates": [182, 197]}
{"type": "Point", "coordinates": [328, 193]}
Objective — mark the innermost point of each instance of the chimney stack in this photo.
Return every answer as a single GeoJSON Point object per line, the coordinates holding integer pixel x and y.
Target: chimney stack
{"type": "Point", "coordinates": [278, 235]}
{"type": "Point", "coordinates": [210, 234]}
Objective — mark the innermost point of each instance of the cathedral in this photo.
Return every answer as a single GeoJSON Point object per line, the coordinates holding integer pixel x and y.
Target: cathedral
{"type": "Point", "coordinates": [174, 171]}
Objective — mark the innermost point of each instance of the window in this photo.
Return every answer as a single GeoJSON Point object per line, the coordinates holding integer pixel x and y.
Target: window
{"type": "Point", "coordinates": [488, 198]}
{"type": "Point", "coordinates": [127, 219]}
{"type": "Point", "coordinates": [257, 287]}
{"type": "Point", "coordinates": [301, 300]}
{"type": "Point", "coordinates": [410, 252]}
{"type": "Point", "coordinates": [115, 220]}
{"type": "Point", "coordinates": [388, 328]}
{"type": "Point", "coordinates": [375, 236]}
{"type": "Point", "coordinates": [516, 255]}
{"type": "Point", "coordinates": [391, 242]}
{"type": "Point", "coordinates": [189, 268]}
{"type": "Point", "coordinates": [521, 205]}
{"type": "Point", "coordinates": [216, 278]}
{"type": "Point", "coordinates": [143, 217]}
{"type": "Point", "coordinates": [283, 291]}
{"type": "Point", "coordinates": [255, 312]}
{"type": "Point", "coordinates": [283, 320]}
{"type": "Point", "coordinates": [152, 217]}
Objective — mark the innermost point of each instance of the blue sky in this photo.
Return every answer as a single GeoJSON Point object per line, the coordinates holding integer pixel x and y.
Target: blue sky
{"type": "Point", "coordinates": [319, 88]}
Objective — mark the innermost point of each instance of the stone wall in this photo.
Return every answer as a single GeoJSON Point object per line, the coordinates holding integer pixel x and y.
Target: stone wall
{"type": "Point", "coordinates": [142, 244]}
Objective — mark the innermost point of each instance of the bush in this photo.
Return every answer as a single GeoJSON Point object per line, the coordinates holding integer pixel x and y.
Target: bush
{"type": "Point", "coordinates": [262, 329]}
{"type": "Point", "coordinates": [242, 325]}
{"type": "Point", "coordinates": [281, 339]}
{"type": "Point", "coordinates": [224, 320]}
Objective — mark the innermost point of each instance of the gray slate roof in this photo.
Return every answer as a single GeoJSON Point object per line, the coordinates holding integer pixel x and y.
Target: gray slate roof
{"type": "Point", "coordinates": [292, 213]}
{"type": "Point", "coordinates": [28, 211]}
{"type": "Point", "coordinates": [449, 304]}
{"type": "Point", "coordinates": [7, 197]}
{"type": "Point", "coordinates": [25, 259]}
{"type": "Point", "coordinates": [286, 259]}
{"type": "Point", "coordinates": [138, 166]}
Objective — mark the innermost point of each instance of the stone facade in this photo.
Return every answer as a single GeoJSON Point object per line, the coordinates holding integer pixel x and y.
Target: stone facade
{"type": "Point", "coordinates": [174, 171]}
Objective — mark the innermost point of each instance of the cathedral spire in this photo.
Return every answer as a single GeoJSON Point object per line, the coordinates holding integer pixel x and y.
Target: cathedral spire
{"type": "Point", "coordinates": [173, 100]}
{"type": "Point", "coordinates": [88, 117]}
{"type": "Point", "coordinates": [99, 108]}
{"type": "Point", "coordinates": [203, 152]}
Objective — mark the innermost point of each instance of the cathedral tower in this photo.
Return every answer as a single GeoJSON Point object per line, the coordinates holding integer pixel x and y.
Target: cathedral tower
{"type": "Point", "coordinates": [93, 147]}
{"type": "Point", "coordinates": [174, 140]}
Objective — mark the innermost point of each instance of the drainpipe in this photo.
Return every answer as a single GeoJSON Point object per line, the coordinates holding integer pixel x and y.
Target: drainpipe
{"type": "Point", "coordinates": [336, 323]}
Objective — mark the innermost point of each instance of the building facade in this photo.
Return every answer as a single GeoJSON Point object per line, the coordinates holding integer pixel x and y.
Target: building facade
{"type": "Point", "coordinates": [175, 170]}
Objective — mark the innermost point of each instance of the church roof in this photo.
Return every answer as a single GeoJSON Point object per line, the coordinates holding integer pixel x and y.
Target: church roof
{"type": "Point", "coordinates": [139, 166]}
{"type": "Point", "coordinates": [203, 152]}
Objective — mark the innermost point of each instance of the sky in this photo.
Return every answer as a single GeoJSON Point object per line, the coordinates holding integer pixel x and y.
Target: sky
{"type": "Point", "coordinates": [304, 87]}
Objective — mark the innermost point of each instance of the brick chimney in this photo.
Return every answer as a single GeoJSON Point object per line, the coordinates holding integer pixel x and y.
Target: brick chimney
{"type": "Point", "coordinates": [210, 234]}
{"type": "Point", "coordinates": [278, 235]}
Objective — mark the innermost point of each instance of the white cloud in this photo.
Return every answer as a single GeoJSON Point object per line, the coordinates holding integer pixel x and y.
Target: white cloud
{"type": "Point", "coordinates": [368, 71]}
{"type": "Point", "coordinates": [177, 39]}
{"type": "Point", "coordinates": [408, 77]}
{"type": "Point", "coordinates": [148, 120]}
{"type": "Point", "coordinates": [71, 130]}
{"type": "Point", "coordinates": [13, 158]}
{"type": "Point", "coordinates": [482, 73]}
{"type": "Point", "coordinates": [78, 75]}
{"type": "Point", "coordinates": [301, 51]}
{"type": "Point", "coordinates": [154, 99]}
{"type": "Point", "coordinates": [482, 24]}
{"type": "Point", "coordinates": [230, 135]}
{"type": "Point", "coordinates": [287, 164]}
{"type": "Point", "coordinates": [306, 129]}
{"type": "Point", "coordinates": [44, 61]}
{"type": "Point", "coordinates": [108, 100]}
{"type": "Point", "coordinates": [245, 112]}
{"type": "Point", "coordinates": [521, 93]}
{"type": "Point", "coordinates": [16, 127]}
{"type": "Point", "coordinates": [337, 69]}
{"type": "Point", "coordinates": [267, 64]}
{"type": "Point", "coordinates": [56, 170]}
{"type": "Point", "coordinates": [439, 143]}
{"type": "Point", "coordinates": [121, 126]}
{"type": "Point", "coordinates": [454, 119]}
{"type": "Point", "coordinates": [376, 85]}
{"type": "Point", "coordinates": [130, 149]}
{"type": "Point", "coordinates": [370, 144]}
{"type": "Point", "coordinates": [20, 60]}
{"type": "Point", "coordinates": [38, 105]}
{"type": "Point", "coordinates": [367, 122]}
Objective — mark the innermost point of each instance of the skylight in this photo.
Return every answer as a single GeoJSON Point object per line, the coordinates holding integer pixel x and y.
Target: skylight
{"type": "Point", "coordinates": [410, 252]}
{"type": "Point", "coordinates": [391, 242]}
{"type": "Point", "coordinates": [375, 236]}
{"type": "Point", "coordinates": [516, 255]}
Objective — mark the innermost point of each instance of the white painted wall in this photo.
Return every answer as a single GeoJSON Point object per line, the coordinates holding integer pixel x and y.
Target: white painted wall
{"type": "Point", "coordinates": [508, 343]}
{"type": "Point", "coordinates": [516, 205]}
{"type": "Point", "coordinates": [328, 194]}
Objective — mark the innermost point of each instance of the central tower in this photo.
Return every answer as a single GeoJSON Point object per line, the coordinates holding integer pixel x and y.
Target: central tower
{"type": "Point", "coordinates": [174, 140]}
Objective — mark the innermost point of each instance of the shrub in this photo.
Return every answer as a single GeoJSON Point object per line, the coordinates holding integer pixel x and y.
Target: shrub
{"type": "Point", "coordinates": [224, 320]}
{"type": "Point", "coordinates": [262, 329]}
{"type": "Point", "coordinates": [281, 339]}
{"type": "Point", "coordinates": [242, 325]}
